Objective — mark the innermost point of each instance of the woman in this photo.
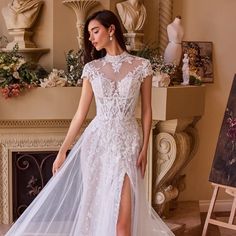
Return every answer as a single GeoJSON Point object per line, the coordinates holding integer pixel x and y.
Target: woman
{"type": "Point", "coordinates": [98, 190]}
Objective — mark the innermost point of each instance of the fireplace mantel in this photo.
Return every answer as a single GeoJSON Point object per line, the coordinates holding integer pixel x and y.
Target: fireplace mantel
{"type": "Point", "coordinates": [38, 120]}
{"type": "Point", "coordinates": [61, 103]}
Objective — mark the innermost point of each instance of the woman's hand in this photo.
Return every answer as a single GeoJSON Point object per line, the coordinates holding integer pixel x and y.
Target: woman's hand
{"type": "Point", "coordinates": [58, 162]}
{"type": "Point", "coordinates": [142, 162]}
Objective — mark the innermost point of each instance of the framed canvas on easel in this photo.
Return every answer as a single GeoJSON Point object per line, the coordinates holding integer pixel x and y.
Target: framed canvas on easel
{"type": "Point", "coordinates": [223, 171]}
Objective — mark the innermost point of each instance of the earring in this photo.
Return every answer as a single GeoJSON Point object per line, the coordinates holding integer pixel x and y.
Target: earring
{"type": "Point", "coordinates": [111, 37]}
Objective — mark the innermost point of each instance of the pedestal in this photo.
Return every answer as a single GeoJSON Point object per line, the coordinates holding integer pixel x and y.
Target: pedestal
{"type": "Point", "coordinates": [31, 54]}
{"type": "Point", "coordinates": [21, 38]}
{"type": "Point", "coordinates": [134, 41]}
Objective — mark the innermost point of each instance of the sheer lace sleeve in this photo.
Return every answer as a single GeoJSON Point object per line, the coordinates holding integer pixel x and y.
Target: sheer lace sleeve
{"type": "Point", "coordinates": [147, 70]}
{"type": "Point", "coordinates": [86, 72]}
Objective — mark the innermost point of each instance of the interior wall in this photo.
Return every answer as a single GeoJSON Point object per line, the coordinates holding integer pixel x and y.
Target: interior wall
{"type": "Point", "coordinates": [211, 20]}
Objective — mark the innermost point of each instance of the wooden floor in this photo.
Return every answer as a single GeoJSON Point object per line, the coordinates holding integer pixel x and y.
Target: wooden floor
{"type": "Point", "coordinates": [3, 229]}
{"type": "Point", "coordinates": [187, 214]}
{"type": "Point", "coordinates": [219, 231]}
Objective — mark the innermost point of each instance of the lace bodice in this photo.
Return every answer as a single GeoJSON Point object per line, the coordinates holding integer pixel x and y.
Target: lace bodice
{"type": "Point", "coordinates": [116, 84]}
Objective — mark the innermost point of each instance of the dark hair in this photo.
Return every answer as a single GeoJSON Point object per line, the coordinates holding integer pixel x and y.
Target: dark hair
{"type": "Point", "coordinates": [106, 18]}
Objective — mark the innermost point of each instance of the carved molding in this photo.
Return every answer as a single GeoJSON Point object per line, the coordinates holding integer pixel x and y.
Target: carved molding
{"type": "Point", "coordinates": [166, 149]}
{"type": "Point", "coordinates": [173, 150]}
{"type": "Point", "coordinates": [37, 123]}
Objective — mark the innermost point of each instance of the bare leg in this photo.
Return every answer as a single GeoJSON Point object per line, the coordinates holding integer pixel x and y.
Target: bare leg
{"type": "Point", "coordinates": [124, 218]}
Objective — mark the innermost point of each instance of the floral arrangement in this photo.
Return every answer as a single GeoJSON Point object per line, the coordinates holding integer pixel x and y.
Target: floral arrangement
{"type": "Point", "coordinates": [75, 64]}
{"type": "Point", "coordinates": [163, 72]}
{"type": "Point", "coordinates": [57, 78]}
{"type": "Point", "coordinates": [157, 61]}
{"type": "Point", "coordinates": [16, 74]}
{"type": "Point", "coordinates": [60, 78]}
{"type": "Point", "coordinates": [166, 74]}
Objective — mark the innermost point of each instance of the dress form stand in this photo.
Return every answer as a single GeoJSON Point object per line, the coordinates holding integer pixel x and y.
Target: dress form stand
{"type": "Point", "coordinates": [173, 51]}
{"type": "Point", "coordinates": [133, 16]}
{"type": "Point", "coordinates": [230, 224]}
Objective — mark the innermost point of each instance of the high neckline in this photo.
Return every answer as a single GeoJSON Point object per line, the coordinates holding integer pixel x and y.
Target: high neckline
{"type": "Point", "coordinates": [115, 58]}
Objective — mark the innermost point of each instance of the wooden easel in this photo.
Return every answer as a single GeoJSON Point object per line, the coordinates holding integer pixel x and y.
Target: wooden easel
{"type": "Point", "coordinates": [209, 220]}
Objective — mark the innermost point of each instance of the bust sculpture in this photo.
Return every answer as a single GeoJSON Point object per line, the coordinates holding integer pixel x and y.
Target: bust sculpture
{"type": "Point", "coordinates": [21, 14]}
{"type": "Point", "coordinates": [132, 14]}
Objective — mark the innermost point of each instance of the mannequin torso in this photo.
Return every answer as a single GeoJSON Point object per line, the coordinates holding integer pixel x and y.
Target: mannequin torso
{"type": "Point", "coordinates": [175, 33]}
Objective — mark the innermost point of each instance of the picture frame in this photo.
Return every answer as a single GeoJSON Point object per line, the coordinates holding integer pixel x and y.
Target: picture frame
{"type": "Point", "coordinates": [223, 170]}
{"type": "Point", "coordinates": [200, 55]}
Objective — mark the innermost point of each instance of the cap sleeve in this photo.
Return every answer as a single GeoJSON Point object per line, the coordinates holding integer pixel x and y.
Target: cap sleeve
{"type": "Point", "coordinates": [147, 70]}
{"type": "Point", "coordinates": [86, 72]}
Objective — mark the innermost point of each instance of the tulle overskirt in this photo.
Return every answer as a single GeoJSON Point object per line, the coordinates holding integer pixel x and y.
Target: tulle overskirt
{"type": "Point", "coordinates": [83, 198]}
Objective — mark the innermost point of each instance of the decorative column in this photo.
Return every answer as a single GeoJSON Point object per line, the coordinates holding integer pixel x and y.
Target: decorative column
{"type": "Point", "coordinates": [165, 18]}
{"type": "Point", "coordinates": [81, 9]}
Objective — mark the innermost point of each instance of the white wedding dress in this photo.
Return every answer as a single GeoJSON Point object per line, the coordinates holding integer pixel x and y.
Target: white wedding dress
{"type": "Point", "coordinates": [83, 198]}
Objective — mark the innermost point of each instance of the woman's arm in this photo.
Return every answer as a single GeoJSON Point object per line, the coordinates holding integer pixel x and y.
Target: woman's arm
{"type": "Point", "coordinates": [146, 117]}
{"type": "Point", "coordinates": [76, 123]}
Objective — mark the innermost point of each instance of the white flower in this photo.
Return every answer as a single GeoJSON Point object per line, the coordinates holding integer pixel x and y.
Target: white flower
{"type": "Point", "coordinates": [47, 84]}
{"type": "Point", "coordinates": [14, 58]}
{"type": "Point", "coordinates": [6, 68]}
{"type": "Point", "coordinates": [20, 62]}
{"type": "Point", "coordinates": [56, 78]}
{"type": "Point", "coordinates": [160, 79]}
{"type": "Point", "coordinates": [71, 68]}
{"type": "Point", "coordinates": [16, 75]}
